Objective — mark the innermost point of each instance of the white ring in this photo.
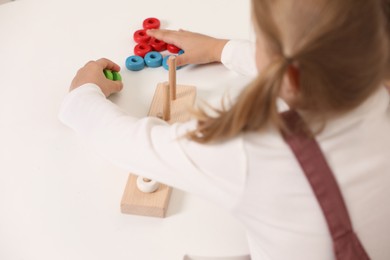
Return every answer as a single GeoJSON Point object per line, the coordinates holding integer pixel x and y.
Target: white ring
{"type": "Point", "coordinates": [146, 185]}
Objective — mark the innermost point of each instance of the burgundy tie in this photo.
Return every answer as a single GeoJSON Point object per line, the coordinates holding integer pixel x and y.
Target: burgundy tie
{"type": "Point", "coordinates": [308, 153]}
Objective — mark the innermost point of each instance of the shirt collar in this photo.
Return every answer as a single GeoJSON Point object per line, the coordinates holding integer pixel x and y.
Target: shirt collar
{"type": "Point", "coordinates": [377, 105]}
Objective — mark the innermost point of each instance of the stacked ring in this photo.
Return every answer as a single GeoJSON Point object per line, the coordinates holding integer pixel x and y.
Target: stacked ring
{"type": "Point", "coordinates": [147, 185]}
{"type": "Point", "coordinates": [135, 63]}
{"type": "Point", "coordinates": [153, 59]}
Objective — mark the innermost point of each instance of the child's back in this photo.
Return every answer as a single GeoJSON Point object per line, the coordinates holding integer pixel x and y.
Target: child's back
{"type": "Point", "coordinates": [284, 218]}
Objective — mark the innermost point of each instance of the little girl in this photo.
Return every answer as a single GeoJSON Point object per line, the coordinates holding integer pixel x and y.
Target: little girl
{"type": "Point", "coordinates": [327, 60]}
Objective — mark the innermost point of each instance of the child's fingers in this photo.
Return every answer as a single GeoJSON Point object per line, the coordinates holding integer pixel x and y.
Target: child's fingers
{"type": "Point", "coordinates": [117, 86]}
{"type": "Point", "coordinates": [109, 87]}
{"type": "Point", "coordinates": [157, 33]}
{"type": "Point", "coordinates": [183, 59]}
{"type": "Point", "coordinates": [108, 64]}
{"type": "Point", "coordinates": [167, 36]}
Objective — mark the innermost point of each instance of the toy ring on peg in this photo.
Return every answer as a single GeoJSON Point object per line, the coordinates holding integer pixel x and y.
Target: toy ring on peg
{"type": "Point", "coordinates": [147, 185]}
{"type": "Point", "coordinates": [151, 23]}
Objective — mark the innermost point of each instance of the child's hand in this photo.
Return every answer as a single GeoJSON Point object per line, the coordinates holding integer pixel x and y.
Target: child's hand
{"type": "Point", "coordinates": [92, 72]}
{"type": "Point", "coordinates": [198, 48]}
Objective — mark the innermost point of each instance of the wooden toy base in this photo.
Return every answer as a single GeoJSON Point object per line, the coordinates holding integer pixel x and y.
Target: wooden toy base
{"type": "Point", "coordinates": [185, 98]}
{"type": "Point", "coordinates": [155, 204]}
{"type": "Point", "coordinates": [136, 202]}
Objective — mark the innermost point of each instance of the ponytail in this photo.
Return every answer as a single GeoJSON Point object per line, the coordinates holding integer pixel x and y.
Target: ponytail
{"type": "Point", "coordinates": [255, 108]}
{"type": "Point", "coordinates": [386, 11]}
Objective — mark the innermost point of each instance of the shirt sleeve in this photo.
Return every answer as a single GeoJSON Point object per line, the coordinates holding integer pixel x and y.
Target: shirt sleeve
{"type": "Point", "coordinates": [239, 56]}
{"type": "Point", "coordinates": [152, 148]}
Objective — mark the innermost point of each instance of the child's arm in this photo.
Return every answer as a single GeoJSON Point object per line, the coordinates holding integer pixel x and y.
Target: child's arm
{"type": "Point", "coordinates": [150, 146]}
{"type": "Point", "coordinates": [236, 55]}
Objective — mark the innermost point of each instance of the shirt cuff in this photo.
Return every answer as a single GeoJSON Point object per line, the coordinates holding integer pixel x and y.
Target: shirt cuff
{"type": "Point", "coordinates": [86, 108]}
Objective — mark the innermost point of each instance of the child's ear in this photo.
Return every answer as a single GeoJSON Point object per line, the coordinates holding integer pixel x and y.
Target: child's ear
{"type": "Point", "coordinates": [387, 85]}
{"type": "Point", "coordinates": [293, 76]}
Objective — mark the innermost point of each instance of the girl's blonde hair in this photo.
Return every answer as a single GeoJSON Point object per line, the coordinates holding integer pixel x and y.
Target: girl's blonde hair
{"type": "Point", "coordinates": [386, 10]}
{"type": "Point", "coordinates": [339, 46]}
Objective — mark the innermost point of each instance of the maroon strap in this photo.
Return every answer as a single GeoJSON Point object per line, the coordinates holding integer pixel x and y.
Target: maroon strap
{"type": "Point", "coordinates": [308, 153]}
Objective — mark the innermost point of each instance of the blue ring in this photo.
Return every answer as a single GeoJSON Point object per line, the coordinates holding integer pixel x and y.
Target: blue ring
{"type": "Point", "coordinates": [153, 59]}
{"type": "Point", "coordinates": [165, 63]}
{"type": "Point", "coordinates": [135, 63]}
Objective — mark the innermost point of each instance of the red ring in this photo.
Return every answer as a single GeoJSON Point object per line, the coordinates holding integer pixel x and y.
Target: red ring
{"type": "Point", "coordinates": [151, 23]}
{"type": "Point", "coordinates": [142, 49]}
{"type": "Point", "coordinates": [140, 36]}
{"type": "Point", "coordinates": [172, 48]}
{"type": "Point", "coordinates": [158, 45]}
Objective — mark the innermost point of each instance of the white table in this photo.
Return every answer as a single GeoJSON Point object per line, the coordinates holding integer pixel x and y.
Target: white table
{"type": "Point", "coordinates": [59, 199]}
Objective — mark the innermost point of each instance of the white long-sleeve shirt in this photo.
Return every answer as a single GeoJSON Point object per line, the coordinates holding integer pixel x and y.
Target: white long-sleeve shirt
{"type": "Point", "coordinates": [255, 176]}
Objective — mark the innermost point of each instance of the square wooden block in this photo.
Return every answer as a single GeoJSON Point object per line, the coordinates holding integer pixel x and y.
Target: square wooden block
{"type": "Point", "coordinates": [136, 202]}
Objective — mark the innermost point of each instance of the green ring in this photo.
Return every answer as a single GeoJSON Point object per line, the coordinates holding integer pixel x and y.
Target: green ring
{"type": "Point", "coordinates": [116, 76]}
{"type": "Point", "coordinates": [108, 74]}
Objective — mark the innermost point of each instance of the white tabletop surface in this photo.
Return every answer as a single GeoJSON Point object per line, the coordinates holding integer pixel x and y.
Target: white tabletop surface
{"type": "Point", "coordinates": [59, 199]}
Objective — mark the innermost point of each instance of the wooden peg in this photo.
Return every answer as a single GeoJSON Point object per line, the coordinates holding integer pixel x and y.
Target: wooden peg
{"type": "Point", "coordinates": [167, 103]}
{"type": "Point", "coordinates": [172, 76]}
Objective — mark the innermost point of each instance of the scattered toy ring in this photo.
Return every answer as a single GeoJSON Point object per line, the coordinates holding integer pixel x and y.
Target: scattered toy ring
{"type": "Point", "coordinates": [135, 63]}
{"type": "Point", "coordinates": [151, 23]}
{"type": "Point", "coordinates": [157, 45]}
{"type": "Point", "coordinates": [140, 36]}
{"type": "Point", "coordinates": [172, 48]}
{"type": "Point", "coordinates": [141, 49]}
{"type": "Point", "coordinates": [153, 59]}
{"type": "Point", "coordinates": [165, 63]}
